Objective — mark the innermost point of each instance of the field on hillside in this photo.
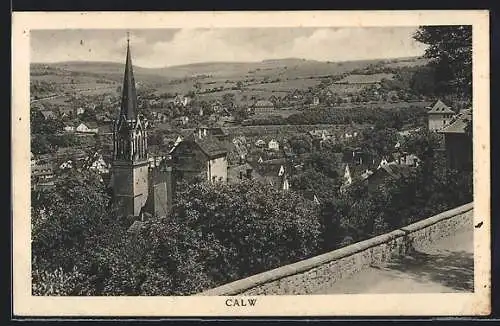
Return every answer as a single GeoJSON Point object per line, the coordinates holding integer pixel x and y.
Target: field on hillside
{"type": "Point", "coordinates": [385, 105]}
{"type": "Point", "coordinates": [286, 85]}
{"type": "Point", "coordinates": [365, 79]}
{"type": "Point", "coordinates": [103, 77]}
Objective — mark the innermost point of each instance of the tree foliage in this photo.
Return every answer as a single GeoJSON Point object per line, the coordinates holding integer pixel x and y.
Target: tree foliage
{"type": "Point", "coordinates": [450, 48]}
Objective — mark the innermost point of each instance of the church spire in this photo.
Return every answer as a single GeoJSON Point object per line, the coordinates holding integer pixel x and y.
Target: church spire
{"type": "Point", "coordinates": [129, 96]}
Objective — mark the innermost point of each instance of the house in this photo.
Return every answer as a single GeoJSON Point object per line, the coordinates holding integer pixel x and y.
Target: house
{"type": "Point", "coordinates": [263, 107]}
{"type": "Point", "coordinates": [458, 142]}
{"type": "Point", "coordinates": [320, 136]}
{"type": "Point", "coordinates": [273, 99]}
{"type": "Point", "coordinates": [69, 128]}
{"type": "Point", "coordinates": [138, 191]}
{"type": "Point", "coordinates": [200, 155]}
{"type": "Point", "coordinates": [66, 112]}
{"type": "Point", "coordinates": [217, 106]}
{"type": "Point", "coordinates": [389, 171]}
{"type": "Point", "coordinates": [315, 101]}
{"type": "Point", "coordinates": [182, 120]}
{"type": "Point", "coordinates": [66, 165]}
{"type": "Point", "coordinates": [327, 94]}
{"type": "Point", "coordinates": [296, 95]}
{"type": "Point", "coordinates": [48, 114]}
{"type": "Point", "coordinates": [96, 163]}
{"type": "Point", "coordinates": [103, 117]}
{"type": "Point", "coordinates": [260, 143]}
{"type": "Point", "coordinates": [439, 115]}
{"type": "Point", "coordinates": [273, 145]}
{"type": "Point", "coordinates": [181, 100]}
{"type": "Point", "coordinates": [79, 111]}
{"type": "Point", "coordinates": [227, 120]}
{"type": "Point", "coordinates": [216, 132]}
{"type": "Point", "coordinates": [274, 173]}
{"type": "Point", "coordinates": [42, 176]}
{"type": "Point", "coordinates": [87, 128]}
{"type": "Point", "coordinates": [245, 171]}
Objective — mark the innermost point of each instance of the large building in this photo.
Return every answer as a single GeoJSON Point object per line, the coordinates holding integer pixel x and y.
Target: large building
{"type": "Point", "coordinates": [201, 155]}
{"type": "Point", "coordinates": [439, 115]}
{"type": "Point", "coordinates": [138, 188]}
{"type": "Point", "coordinates": [263, 107]}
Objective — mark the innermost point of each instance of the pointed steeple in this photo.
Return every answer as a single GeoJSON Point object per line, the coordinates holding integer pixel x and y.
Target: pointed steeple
{"type": "Point", "coordinates": [129, 96]}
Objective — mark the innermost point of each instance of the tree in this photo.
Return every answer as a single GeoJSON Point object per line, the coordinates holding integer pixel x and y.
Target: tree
{"type": "Point", "coordinates": [450, 48]}
{"type": "Point", "coordinates": [228, 100]}
{"type": "Point", "coordinates": [252, 226]}
{"type": "Point", "coordinates": [64, 224]}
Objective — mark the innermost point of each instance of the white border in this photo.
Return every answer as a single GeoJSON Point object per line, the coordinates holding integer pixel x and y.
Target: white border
{"type": "Point", "coordinates": [329, 305]}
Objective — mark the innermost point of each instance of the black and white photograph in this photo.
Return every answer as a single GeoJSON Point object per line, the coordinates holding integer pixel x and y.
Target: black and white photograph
{"type": "Point", "coordinates": [233, 163]}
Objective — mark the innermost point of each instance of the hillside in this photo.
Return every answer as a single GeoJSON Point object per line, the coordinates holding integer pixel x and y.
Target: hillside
{"type": "Point", "coordinates": [290, 67]}
{"type": "Point", "coordinates": [211, 79]}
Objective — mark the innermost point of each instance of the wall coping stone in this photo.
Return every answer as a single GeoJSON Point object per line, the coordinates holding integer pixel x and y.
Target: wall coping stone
{"type": "Point", "coordinates": [241, 285]}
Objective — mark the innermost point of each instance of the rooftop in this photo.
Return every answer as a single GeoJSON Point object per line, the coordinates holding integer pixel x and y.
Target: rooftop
{"type": "Point", "coordinates": [459, 123]}
{"type": "Point", "coordinates": [440, 108]}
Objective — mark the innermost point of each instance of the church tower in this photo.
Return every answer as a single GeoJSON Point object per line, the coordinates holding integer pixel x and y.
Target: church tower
{"type": "Point", "coordinates": [130, 150]}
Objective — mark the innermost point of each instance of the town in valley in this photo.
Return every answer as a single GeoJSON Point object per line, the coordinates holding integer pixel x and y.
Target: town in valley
{"type": "Point", "coordinates": [178, 179]}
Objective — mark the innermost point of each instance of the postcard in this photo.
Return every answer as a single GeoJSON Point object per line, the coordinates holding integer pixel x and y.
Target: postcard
{"type": "Point", "coordinates": [314, 163]}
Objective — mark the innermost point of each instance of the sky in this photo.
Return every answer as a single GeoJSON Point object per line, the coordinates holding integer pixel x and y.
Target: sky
{"type": "Point", "coordinates": [153, 48]}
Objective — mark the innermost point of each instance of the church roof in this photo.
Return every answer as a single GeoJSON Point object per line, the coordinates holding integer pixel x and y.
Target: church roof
{"type": "Point", "coordinates": [129, 95]}
{"type": "Point", "coordinates": [440, 107]}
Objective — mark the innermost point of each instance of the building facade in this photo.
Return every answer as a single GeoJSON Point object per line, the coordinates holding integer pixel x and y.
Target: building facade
{"type": "Point", "coordinates": [200, 155]}
{"type": "Point", "coordinates": [263, 107]}
{"type": "Point", "coordinates": [439, 115]}
{"type": "Point", "coordinates": [458, 142]}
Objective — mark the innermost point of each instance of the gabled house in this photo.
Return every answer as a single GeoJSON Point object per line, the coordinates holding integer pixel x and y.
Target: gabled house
{"type": "Point", "coordinates": [245, 171]}
{"type": "Point", "coordinates": [273, 145]}
{"type": "Point", "coordinates": [200, 155]}
{"type": "Point", "coordinates": [103, 117]}
{"type": "Point", "coordinates": [439, 115]}
{"type": "Point", "coordinates": [48, 114]}
{"type": "Point", "coordinates": [181, 100]}
{"type": "Point", "coordinates": [391, 170]}
{"type": "Point", "coordinates": [182, 120]}
{"type": "Point", "coordinates": [79, 111]}
{"type": "Point", "coordinates": [66, 112]}
{"type": "Point", "coordinates": [87, 127]}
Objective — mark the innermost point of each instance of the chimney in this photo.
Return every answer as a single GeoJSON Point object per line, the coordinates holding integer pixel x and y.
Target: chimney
{"type": "Point", "coordinates": [241, 174]}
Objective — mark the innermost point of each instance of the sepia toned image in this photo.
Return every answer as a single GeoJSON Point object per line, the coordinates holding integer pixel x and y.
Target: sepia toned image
{"type": "Point", "coordinates": [229, 169]}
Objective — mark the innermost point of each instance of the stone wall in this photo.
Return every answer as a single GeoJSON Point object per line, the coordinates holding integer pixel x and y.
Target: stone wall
{"type": "Point", "coordinates": [310, 275]}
